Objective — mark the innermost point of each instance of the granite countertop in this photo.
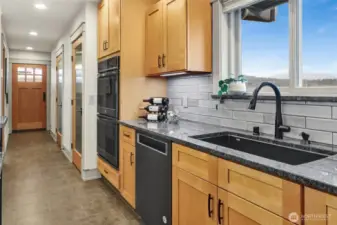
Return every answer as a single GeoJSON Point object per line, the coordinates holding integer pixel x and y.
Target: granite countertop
{"type": "Point", "coordinates": [320, 174]}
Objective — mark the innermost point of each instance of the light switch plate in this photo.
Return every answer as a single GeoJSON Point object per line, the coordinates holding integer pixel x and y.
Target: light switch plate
{"type": "Point", "coordinates": [185, 101]}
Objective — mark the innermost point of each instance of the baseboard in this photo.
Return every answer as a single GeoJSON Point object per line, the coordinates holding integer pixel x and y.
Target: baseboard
{"type": "Point", "coordinates": [92, 174]}
{"type": "Point", "coordinates": [67, 153]}
{"type": "Point", "coordinates": [53, 136]}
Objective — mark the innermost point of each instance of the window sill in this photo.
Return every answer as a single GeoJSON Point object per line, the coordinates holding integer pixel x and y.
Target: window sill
{"type": "Point", "coordinates": [284, 98]}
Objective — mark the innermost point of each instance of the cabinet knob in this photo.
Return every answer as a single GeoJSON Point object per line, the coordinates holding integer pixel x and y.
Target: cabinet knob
{"type": "Point", "coordinates": [131, 156]}
{"type": "Point", "coordinates": [159, 61]}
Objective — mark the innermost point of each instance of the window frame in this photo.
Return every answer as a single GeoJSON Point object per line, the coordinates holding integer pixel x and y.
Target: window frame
{"type": "Point", "coordinates": [227, 54]}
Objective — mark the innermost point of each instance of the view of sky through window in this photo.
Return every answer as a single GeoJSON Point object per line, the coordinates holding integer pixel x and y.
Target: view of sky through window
{"type": "Point", "coordinates": [265, 46]}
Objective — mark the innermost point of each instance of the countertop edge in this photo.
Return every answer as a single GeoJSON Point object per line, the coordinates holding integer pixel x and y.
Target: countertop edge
{"type": "Point", "coordinates": [321, 186]}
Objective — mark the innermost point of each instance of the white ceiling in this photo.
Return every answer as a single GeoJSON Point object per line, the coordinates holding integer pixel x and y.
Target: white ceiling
{"type": "Point", "coordinates": [20, 17]}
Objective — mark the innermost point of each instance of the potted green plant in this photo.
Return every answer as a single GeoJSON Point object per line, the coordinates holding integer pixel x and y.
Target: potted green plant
{"type": "Point", "coordinates": [233, 86]}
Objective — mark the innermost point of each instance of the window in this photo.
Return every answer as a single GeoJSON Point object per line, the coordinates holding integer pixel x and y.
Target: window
{"type": "Point", "coordinates": [294, 48]}
{"type": "Point", "coordinates": [265, 49]}
{"type": "Point", "coordinates": [319, 43]}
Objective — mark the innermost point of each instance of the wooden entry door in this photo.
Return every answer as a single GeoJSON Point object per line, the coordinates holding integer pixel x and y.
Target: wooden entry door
{"type": "Point", "coordinates": [29, 97]}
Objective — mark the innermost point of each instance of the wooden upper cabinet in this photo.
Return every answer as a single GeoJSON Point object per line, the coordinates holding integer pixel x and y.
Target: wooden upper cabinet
{"type": "Point", "coordinates": [154, 39]}
{"type": "Point", "coordinates": [193, 199]}
{"type": "Point", "coordinates": [186, 44]}
{"type": "Point", "coordinates": [234, 210]}
{"type": "Point", "coordinates": [320, 208]}
{"type": "Point", "coordinates": [108, 27]}
{"type": "Point", "coordinates": [103, 27]}
{"type": "Point", "coordinates": [113, 44]}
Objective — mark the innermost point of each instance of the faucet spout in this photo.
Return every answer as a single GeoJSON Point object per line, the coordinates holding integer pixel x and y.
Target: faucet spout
{"type": "Point", "coordinates": [279, 127]}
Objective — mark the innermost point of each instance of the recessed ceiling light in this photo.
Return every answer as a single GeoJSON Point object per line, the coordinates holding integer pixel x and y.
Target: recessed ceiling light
{"type": "Point", "coordinates": [33, 33]}
{"type": "Point", "coordinates": [40, 6]}
{"type": "Point", "coordinates": [29, 48]}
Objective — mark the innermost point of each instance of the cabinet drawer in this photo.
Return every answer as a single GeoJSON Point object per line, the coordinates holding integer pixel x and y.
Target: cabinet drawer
{"type": "Point", "coordinates": [128, 135]}
{"type": "Point", "coordinates": [198, 163]}
{"type": "Point", "coordinates": [237, 211]}
{"type": "Point", "coordinates": [108, 172]}
{"type": "Point", "coordinates": [272, 193]}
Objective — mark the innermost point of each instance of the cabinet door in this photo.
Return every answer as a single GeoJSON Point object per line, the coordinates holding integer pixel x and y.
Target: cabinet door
{"type": "Point", "coordinates": [128, 172]}
{"type": "Point", "coordinates": [193, 199]}
{"type": "Point", "coordinates": [320, 208]}
{"type": "Point", "coordinates": [233, 210]}
{"type": "Point", "coordinates": [175, 35]}
{"type": "Point", "coordinates": [154, 39]}
{"type": "Point", "coordinates": [113, 43]}
{"type": "Point", "coordinates": [103, 27]}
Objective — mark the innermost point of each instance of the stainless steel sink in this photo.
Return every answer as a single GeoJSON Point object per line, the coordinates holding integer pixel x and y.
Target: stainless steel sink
{"type": "Point", "coordinates": [277, 152]}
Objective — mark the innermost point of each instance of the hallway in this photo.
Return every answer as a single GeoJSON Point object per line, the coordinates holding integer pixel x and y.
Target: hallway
{"type": "Point", "coordinates": [41, 187]}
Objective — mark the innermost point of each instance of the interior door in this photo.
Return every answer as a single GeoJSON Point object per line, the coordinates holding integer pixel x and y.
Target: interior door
{"type": "Point", "coordinates": [103, 28]}
{"type": "Point", "coordinates": [77, 107]}
{"type": "Point", "coordinates": [175, 35]}
{"type": "Point", "coordinates": [154, 39]}
{"type": "Point", "coordinates": [29, 97]}
{"type": "Point", "coordinates": [59, 97]}
{"type": "Point", "coordinates": [193, 199]}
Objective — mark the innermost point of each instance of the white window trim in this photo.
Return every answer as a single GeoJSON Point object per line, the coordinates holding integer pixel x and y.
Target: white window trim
{"type": "Point", "coordinates": [227, 57]}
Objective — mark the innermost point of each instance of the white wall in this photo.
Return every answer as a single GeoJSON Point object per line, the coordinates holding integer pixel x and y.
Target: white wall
{"type": "Point", "coordinates": [30, 55]}
{"type": "Point", "coordinates": [89, 147]}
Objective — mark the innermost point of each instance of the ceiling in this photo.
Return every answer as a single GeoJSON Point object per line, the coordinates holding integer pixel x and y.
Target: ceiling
{"type": "Point", "coordinates": [20, 17]}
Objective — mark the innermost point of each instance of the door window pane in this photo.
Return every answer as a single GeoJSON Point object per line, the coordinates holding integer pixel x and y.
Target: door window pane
{"type": "Point", "coordinates": [38, 71]}
{"type": "Point", "coordinates": [38, 78]}
{"type": "Point", "coordinates": [29, 70]}
{"type": "Point", "coordinates": [319, 43]}
{"type": "Point", "coordinates": [265, 49]}
{"type": "Point", "coordinates": [29, 78]}
{"type": "Point", "coordinates": [21, 70]}
{"type": "Point", "coordinates": [21, 78]}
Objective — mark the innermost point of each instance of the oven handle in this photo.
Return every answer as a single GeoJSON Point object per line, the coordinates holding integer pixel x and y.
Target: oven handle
{"type": "Point", "coordinates": [153, 140]}
{"type": "Point", "coordinates": [106, 118]}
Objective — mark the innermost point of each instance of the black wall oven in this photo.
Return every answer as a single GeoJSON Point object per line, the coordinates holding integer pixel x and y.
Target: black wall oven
{"type": "Point", "coordinates": [107, 110]}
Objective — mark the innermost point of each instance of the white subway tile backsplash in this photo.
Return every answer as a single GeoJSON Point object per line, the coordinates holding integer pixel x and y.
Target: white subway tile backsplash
{"type": "Point", "coordinates": [248, 116]}
{"type": "Point", "coordinates": [264, 128]}
{"type": "Point", "coordinates": [307, 110]}
{"type": "Point", "coordinates": [319, 119]}
{"type": "Point", "coordinates": [335, 138]}
{"type": "Point", "coordinates": [321, 124]}
{"type": "Point", "coordinates": [237, 124]}
{"type": "Point", "coordinates": [293, 121]}
{"type": "Point", "coordinates": [317, 136]}
{"type": "Point", "coordinates": [334, 112]}
{"type": "Point", "coordinates": [175, 101]}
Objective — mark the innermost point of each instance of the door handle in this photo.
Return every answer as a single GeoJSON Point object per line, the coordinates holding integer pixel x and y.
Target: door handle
{"type": "Point", "coordinates": [44, 96]}
{"type": "Point", "coordinates": [220, 218]}
{"type": "Point", "coordinates": [106, 45]}
{"type": "Point", "coordinates": [159, 61]}
{"type": "Point", "coordinates": [210, 210]}
{"type": "Point", "coordinates": [163, 60]}
{"type": "Point", "coordinates": [104, 48]}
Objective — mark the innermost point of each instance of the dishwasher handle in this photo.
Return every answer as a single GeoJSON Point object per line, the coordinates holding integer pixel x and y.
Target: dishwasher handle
{"type": "Point", "coordinates": [152, 143]}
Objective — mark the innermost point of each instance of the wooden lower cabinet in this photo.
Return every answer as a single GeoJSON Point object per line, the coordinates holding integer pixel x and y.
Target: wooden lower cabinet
{"type": "Point", "coordinates": [108, 172]}
{"type": "Point", "coordinates": [193, 199]}
{"type": "Point", "coordinates": [128, 172]}
{"type": "Point", "coordinates": [234, 210]}
{"type": "Point", "coordinates": [320, 208]}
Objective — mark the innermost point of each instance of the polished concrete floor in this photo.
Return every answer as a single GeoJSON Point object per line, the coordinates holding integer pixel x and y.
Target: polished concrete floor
{"type": "Point", "coordinates": [41, 187]}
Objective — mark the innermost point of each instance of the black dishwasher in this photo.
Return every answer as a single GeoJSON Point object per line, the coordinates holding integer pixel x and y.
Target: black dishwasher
{"type": "Point", "coordinates": [153, 179]}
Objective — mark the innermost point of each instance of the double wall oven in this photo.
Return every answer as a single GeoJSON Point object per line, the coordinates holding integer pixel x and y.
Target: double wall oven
{"type": "Point", "coordinates": [107, 110]}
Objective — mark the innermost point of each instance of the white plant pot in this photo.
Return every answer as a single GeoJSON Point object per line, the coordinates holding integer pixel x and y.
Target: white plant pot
{"type": "Point", "coordinates": [237, 88]}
